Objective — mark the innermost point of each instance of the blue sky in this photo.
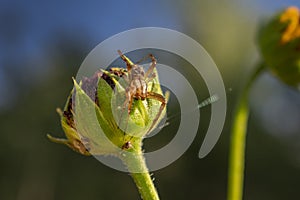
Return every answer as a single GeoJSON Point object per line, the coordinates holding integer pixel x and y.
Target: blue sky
{"type": "Point", "coordinates": [27, 26]}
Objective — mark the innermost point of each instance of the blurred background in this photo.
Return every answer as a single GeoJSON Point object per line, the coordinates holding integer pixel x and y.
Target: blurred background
{"type": "Point", "coordinates": [42, 44]}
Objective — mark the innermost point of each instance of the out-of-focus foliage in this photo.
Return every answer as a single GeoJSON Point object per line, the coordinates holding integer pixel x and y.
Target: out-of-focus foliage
{"type": "Point", "coordinates": [279, 42]}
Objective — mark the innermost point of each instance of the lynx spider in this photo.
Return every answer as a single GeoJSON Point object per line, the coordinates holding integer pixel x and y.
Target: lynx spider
{"type": "Point", "coordinates": [137, 80]}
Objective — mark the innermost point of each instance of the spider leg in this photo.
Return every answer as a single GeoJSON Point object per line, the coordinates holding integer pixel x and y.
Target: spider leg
{"type": "Point", "coordinates": [144, 58]}
{"type": "Point", "coordinates": [163, 100]}
{"type": "Point", "coordinates": [151, 68]}
{"type": "Point", "coordinates": [126, 60]}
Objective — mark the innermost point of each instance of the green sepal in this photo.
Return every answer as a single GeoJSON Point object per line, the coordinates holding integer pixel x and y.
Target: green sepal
{"type": "Point", "coordinates": [91, 124]}
{"type": "Point", "coordinates": [73, 139]}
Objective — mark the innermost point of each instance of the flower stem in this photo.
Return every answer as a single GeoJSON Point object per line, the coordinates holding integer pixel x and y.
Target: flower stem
{"type": "Point", "coordinates": [136, 163]}
{"type": "Point", "coordinates": [238, 142]}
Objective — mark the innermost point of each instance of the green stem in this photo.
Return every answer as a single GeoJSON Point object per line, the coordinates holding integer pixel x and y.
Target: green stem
{"type": "Point", "coordinates": [238, 142]}
{"type": "Point", "coordinates": [135, 162]}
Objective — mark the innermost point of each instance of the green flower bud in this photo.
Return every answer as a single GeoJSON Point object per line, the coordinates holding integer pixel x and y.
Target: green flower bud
{"type": "Point", "coordinates": [279, 42]}
{"type": "Point", "coordinates": [96, 120]}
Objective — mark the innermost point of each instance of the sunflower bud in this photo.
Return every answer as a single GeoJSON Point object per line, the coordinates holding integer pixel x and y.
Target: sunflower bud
{"type": "Point", "coordinates": [279, 42]}
{"type": "Point", "coordinates": [95, 120]}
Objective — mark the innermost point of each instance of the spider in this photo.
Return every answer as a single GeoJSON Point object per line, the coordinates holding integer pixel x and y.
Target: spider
{"type": "Point", "coordinates": [137, 80]}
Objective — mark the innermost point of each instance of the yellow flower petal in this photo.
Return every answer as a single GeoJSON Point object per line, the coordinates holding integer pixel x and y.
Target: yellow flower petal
{"type": "Point", "coordinates": [291, 16]}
